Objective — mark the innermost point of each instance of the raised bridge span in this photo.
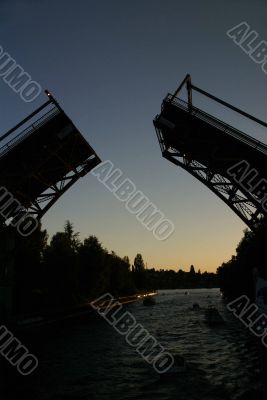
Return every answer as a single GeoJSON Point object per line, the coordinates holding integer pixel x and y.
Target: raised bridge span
{"type": "Point", "coordinates": [43, 156]}
{"type": "Point", "coordinates": [229, 162]}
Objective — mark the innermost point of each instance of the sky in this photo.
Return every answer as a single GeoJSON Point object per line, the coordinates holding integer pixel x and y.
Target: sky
{"type": "Point", "coordinates": [110, 64]}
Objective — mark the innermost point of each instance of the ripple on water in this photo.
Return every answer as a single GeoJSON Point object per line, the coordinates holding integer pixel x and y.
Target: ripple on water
{"type": "Point", "coordinates": [89, 360]}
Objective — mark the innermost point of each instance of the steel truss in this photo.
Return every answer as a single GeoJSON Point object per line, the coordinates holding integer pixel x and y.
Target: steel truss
{"type": "Point", "coordinates": [241, 201]}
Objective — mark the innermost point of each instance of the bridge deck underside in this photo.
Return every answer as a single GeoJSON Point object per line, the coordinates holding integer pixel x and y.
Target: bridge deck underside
{"type": "Point", "coordinates": [207, 148]}
{"type": "Point", "coordinates": [39, 166]}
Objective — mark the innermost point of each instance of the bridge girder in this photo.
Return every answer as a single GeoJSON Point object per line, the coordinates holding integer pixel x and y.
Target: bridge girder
{"type": "Point", "coordinates": [207, 147]}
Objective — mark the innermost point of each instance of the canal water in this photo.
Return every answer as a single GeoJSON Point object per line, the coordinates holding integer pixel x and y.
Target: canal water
{"type": "Point", "coordinates": [86, 359]}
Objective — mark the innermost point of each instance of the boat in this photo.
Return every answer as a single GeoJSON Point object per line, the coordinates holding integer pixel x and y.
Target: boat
{"type": "Point", "coordinates": [196, 307]}
{"type": "Point", "coordinates": [213, 317]}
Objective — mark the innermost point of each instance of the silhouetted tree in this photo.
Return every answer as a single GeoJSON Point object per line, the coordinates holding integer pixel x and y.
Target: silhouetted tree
{"type": "Point", "coordinates": [94, 272]}
{"type": "Point", "coordinates": [192, 270]}
{"type": "Point", "coordinates": [139, 272]}
{"type": "Point", "coordinates": [235, 276]}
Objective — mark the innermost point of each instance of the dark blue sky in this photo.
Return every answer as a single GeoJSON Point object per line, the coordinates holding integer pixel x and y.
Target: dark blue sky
{"type": "Point", "coordinates": [109, 64]}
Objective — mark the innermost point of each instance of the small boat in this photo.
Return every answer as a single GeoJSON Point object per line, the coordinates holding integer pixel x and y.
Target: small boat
{"type": "Point", "coordinates": [149, 301]}
{"type": "Point", "coordinates": [196, 307]}
{"type": "Point", "coordinates": [186, 293]}
{"type": "Point", "coordinates": [213, 317]}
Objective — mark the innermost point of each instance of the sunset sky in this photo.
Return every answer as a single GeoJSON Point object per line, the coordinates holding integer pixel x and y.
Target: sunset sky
{"type": "Point", "coordinates": [110, 64]}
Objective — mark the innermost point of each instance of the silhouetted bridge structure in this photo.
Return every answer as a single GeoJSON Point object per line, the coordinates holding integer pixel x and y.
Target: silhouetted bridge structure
{"type": "Point", "coordinates": [229, 162]}
{"type": "Point", "coordinates": [44, 158]}
{"type": "Point", "coordinates": [40, 159]}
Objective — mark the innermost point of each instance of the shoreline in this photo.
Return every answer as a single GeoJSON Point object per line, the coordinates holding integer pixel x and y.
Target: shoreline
{"type": "Point", "coordinates": [21, 323]}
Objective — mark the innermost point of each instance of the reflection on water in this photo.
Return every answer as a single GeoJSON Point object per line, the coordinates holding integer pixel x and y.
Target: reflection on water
{"type": "Point", "coordinates": [87, 359]}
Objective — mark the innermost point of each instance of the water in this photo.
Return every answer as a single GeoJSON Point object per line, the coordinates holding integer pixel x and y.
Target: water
{"type": "Point", "coordinates": [85, 358]}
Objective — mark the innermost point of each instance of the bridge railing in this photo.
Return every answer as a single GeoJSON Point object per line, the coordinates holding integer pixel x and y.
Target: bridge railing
{"type": "Point", "coordinates": [215, 122]}
{"type": "Point", "coordinates": [28, 131]}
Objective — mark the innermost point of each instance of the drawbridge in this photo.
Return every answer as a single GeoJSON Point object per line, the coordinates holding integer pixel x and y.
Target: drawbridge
{"type": "Point", "coordinates": [41, 158]}
{"type": "Point", "coordinates": [232, 164]}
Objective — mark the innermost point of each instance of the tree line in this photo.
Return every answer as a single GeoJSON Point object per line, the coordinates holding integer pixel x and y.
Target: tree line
{"type": "Point", "coordinates": [67, 271]}
{"type": "Point", "coordinates": [237, 276]}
